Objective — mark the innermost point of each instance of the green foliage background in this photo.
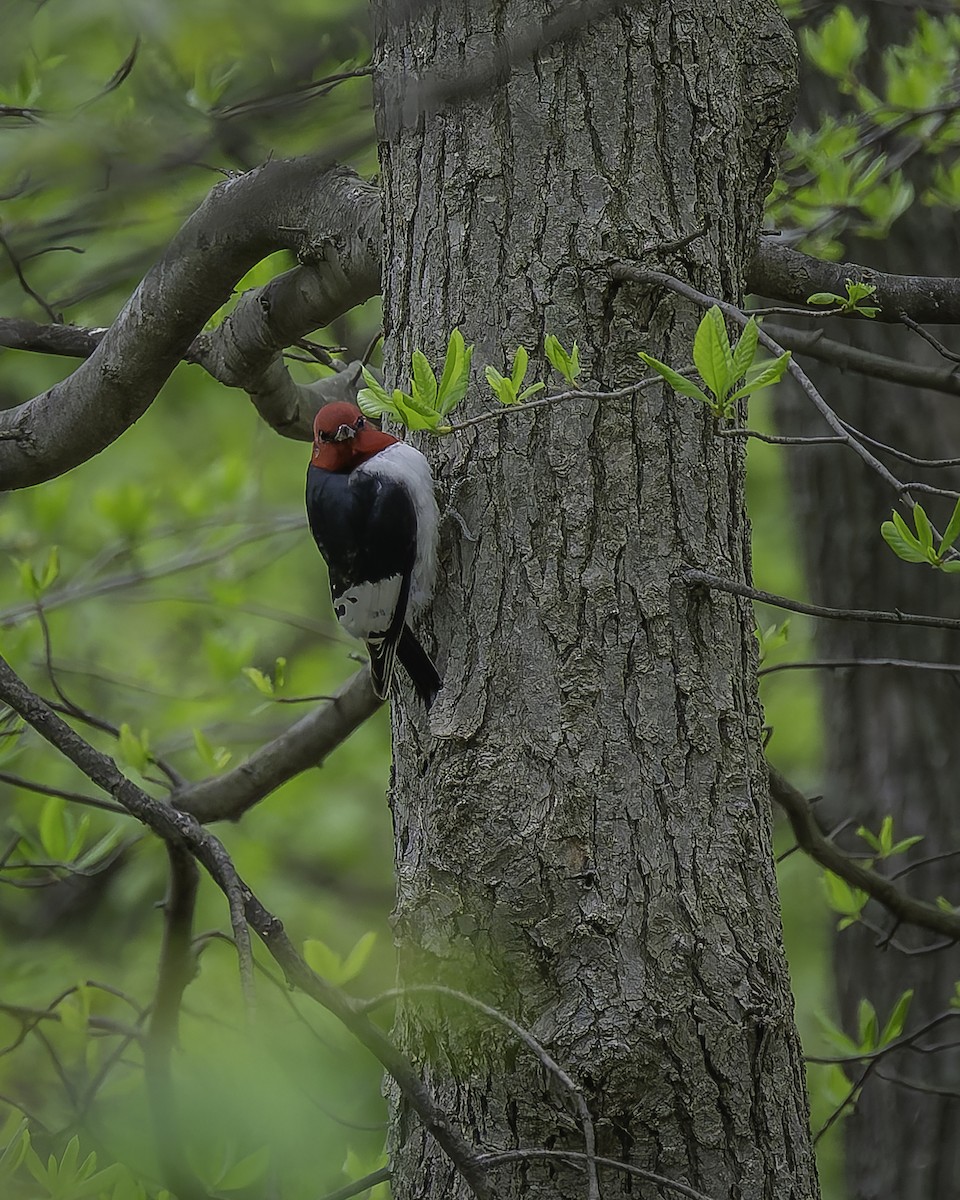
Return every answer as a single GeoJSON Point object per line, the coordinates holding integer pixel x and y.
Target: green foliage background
{"type": "Point", "coordinates": [184, 561]}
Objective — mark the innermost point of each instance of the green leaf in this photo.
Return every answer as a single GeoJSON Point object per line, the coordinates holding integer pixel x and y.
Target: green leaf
{"type": "Point", "coordinates": [904, 546]}
{"type": "Point", "coordinates": [412, 413]}
{"type": "Point", "coordinates": [356, 960]}
{"type": "Point", "coordinates": [844, 899]}
{"type": "Point", "coordinates": [215, 757]}
{"type": "Point", "coordinates": [568, 365]}
{"type": "Point", "coordinates": [374, 400]}
{"type": "Point", "coordinates": [829, 298]}
{"type": "Point", "coordinates": [867, 1026]}
{"type": "Point", "coordinates": [502, 387]}
{"type": "Point", "coordinates": [246, 1172]}
{"type": "Point", "coordinates": [456, 374]}
{"type": "Point", "coordinates": [711, 353]}
{"type": "Point", "coordinates": [952, 531]}
{"type": "Point", "coordinates": [424, 382]}
{"type": "Point", "coordinates": [678, 382]}
{"type": "Point", "coordinates": [134, 750]}
{"type": "Point", "coordinates": [897, 1019]}
{"type": "Point", "coordinates": [922, 523]}
{"type": "Point", "coordinates": [520, 361]}
{"type": "Point", "coordinates": [52, 828]}
{"type": "Point", "coordinates": [15, 1151]}
{"type": "Point", "coordinates": [766, 378]}
{"type": "Point", "coordinates": [531, 391]}
{"type": "Point", "coordinates": [951, 567]}
{"type": "Point", "coordinates": [905, 844]}
{"type": "Point", "coordinates": [746, 349]}
{"type": "Point", "coordinates": [320, 958]}
{"type": "Point", "coordinates": [870, 838]}
{"type": "Point", "coordinates": [261, 682]}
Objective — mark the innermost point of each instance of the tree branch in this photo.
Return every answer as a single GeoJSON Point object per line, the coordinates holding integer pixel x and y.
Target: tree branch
{"type": "Point", "coordinates": [864, 362]}
{"type": "Point", "coordinates": [827, 854]}
{"type": "Point", "coordinates": [327, 215]}
{"type": "Point", "coordinates": [875, 616]}
{"type": "Point", "coordinates": [785, 274]}
{"type": "Point", "coordinates": [305, 744]}
{"type": "Point", "coordinates": [183, 829]}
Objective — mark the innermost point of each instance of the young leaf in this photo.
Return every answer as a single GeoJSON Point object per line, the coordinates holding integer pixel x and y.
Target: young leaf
{"type": "Point", "coordinates": [133, 749]}
{"type": "Point", "coordinates": [770, 375]}
{"type": "Point", "coordinates": [261, 682]}
{"type": "Point", "coordinates": [246, 1172]}
{"type": "Point", "coordinates": [678, 382]}
{"type": "Point", "coordinates": [903, 544]}
{"type": "Point", "coordinates": [520, 360]}
{"type": "Point", "coordinates": [711, 353]}
{"type": "Point", "coordinates": [922, 523]}
{"type": "Point", "coordinates": [952, 531]}
{"type": "Point", "coordinates": [356, 960]}
{"type": "Point", "coordinates": [867, 1026]}
{"type": "Point", "coordinates": [568, 365]}
{"type": "Point", "coordinates": [320, 958]}
{"type": "Point", "coordinates": [424, 382]}
{"type": "Point", "coordinates": [746, 349]}
{"type": "Point", "coordinates": [894, 1026]}
{"type": "Point", "coordinates": [373, 400]}
{"type": "Point", "coordinates": [52, 828]}
{"type": "Point", "coordinates": [456, 374]}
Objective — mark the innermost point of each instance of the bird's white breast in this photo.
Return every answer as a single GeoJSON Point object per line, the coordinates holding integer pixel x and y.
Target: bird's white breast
{"type": "Point", "coordinates": [404, 465]}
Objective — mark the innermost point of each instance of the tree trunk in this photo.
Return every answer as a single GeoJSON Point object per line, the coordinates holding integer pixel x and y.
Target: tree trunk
{"type": "Point", "coordinates": [582, 827]}
{"type": "Point", "coordinates": [890, 735]}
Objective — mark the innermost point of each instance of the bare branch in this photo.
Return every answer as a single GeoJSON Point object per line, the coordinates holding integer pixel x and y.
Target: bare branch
{"type": "Point", "coordinates": [828, 854]}
{"type": "Point", "coordinates": [180, 828]}
{"type": "Point", "coordinates": [327, 215]}
{"type": "Point", "coordinates": [785, 274]}
{"type": "Point", "coordinates": [864, 362]}
{"type": "Point", "coordinates": [305, 744]}
{"type": "Point", "coordinates": [875, 616]}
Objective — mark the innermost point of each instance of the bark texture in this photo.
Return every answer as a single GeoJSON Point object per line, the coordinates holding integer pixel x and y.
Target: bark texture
{"type": "Point", "coordinates": [583, 824]}
{"type": "Point", "coordinates": [890, 735]}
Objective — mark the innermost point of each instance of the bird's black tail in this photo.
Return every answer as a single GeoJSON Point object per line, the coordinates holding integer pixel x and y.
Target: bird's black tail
{"type": "Point", "coordinates": [419, 666]}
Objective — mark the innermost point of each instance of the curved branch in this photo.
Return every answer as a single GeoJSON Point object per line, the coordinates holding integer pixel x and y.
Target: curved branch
{"type": "Point", "coordinates": [785, 274]}
{"type": "Point", "coordinates": [827, 854]}
{"type": "Point", "coordinates": [865, 362]}
{"type": "Point", "coordinates": [302, 746]}
{"type": "Point", "coordinates": [327, 215]}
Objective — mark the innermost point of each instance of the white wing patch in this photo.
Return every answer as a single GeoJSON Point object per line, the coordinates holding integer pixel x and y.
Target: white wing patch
{"type": "Point", "coordinates": [366, 610]}
{"type": "Point", "coordinates": [406, 465]}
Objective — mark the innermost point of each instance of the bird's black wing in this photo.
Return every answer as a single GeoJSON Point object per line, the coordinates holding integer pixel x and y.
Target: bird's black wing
{"type": "Point", "coordinates": [366, 528]}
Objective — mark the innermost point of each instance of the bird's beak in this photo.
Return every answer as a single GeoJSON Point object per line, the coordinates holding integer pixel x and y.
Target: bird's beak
{"type": "Point", "coordinates": [345, 433]}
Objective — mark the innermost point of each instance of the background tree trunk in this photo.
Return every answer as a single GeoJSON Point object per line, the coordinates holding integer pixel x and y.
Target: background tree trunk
{"type": "Point", "coordinates": [890, 735]}
{"type": "Point", "coordinates": [582, 831]}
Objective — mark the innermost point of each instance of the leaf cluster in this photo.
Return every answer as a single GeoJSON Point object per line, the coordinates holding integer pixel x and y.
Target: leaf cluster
{"type": "Point", "coordinates": [721, 367]}
{"type": "Point", "coordinates": [918, 547]}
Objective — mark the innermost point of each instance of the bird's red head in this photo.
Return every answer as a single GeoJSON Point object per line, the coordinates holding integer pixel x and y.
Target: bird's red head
{"type": "Point", "coordinates": [343, 438]}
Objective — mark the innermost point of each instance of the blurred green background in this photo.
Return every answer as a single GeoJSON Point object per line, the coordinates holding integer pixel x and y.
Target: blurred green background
{"type": "Point", "coordinates": [184, 569]}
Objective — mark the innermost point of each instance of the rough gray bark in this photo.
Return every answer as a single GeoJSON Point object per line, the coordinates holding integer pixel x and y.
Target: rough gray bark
{"type": "Point", "coordinates": [890, 736]}
{"type": "Point", "coordinates": [583, 825]}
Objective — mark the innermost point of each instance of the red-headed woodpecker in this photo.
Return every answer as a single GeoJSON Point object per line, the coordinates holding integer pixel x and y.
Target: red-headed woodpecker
{"type": "Point", "coordinates": [372, 512]}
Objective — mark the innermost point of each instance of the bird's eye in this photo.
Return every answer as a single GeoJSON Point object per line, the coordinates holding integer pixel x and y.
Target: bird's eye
{"type": "Point", "coordinates": [360, 423]}
{"type": "Point", "coordinates": [324, 437]}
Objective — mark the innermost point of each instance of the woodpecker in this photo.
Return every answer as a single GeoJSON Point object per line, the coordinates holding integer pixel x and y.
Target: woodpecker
{"type": "Point", "coordinates": [373, 515]}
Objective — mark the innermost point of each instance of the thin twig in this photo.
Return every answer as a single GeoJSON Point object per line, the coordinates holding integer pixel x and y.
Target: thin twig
{"type": "Point", "coordinates": [875, 616]}
{"type": "Point", "coordinates": [811, 839]}
{"type": "Point", "coordinates": [525, 1036]}
{"type": "Point", "coordinates": [506, 1156]}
